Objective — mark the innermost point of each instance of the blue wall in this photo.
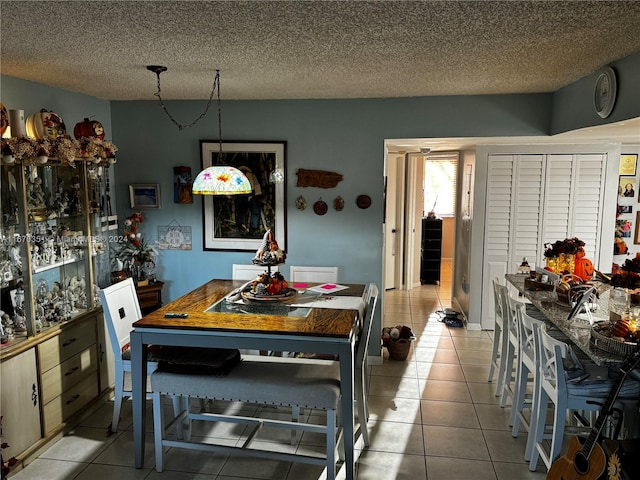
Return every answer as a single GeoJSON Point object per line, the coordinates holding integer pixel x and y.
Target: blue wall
{"type": "Point", "coordinates": [345, 136]}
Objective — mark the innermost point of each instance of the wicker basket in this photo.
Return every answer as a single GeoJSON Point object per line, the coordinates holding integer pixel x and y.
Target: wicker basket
{"type": "Point", "coordinates": [610, 345]}
{"type": "Point", "coordinates": [399, 350]}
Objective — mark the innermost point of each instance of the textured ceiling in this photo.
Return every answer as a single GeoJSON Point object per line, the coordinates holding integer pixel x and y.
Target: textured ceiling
{"type": "Point", "coordinates": [313, 49]}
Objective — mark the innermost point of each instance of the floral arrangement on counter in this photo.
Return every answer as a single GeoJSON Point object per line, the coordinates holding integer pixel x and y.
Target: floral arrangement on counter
{"type": "Point", "coordinates": [25, 149]}
{"type": "Point", "coordinates": [628, 275]}
{"type": "Point", "coordinates": [568, 246]}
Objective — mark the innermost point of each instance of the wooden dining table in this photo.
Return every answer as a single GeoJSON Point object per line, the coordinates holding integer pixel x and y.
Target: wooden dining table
{"type": "Point", "coordinates": [323, 324]}
{"type": "Point", "coordinates": [578, 329]}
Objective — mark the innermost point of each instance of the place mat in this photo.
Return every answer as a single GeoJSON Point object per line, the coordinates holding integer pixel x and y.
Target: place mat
{"type": "Point", "coordinates": [329, 301]}
{"type": "Point", "coordinates": [327, 288]}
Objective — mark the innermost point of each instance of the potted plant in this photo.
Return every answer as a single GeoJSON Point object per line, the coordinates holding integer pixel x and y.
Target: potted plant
{"type": "Point", "coordinates": [136, 254]}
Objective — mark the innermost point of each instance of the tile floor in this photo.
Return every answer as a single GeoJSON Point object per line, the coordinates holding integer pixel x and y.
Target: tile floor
{"type": "Point", "coordinates": [433, 417]}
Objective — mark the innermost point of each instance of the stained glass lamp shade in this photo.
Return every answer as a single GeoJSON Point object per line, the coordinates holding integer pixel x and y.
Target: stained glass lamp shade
{"type": "Point", "coordinates": [221, 180]}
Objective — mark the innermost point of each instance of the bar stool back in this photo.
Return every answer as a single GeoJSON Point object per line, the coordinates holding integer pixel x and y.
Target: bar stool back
{"type": "Point", "coordinates": [554, 388]}
{"type": "Point", "coordinates": [528, 364]}
{"type": "Point", "coordinates": [511, 337]}
{"type": "Point", "coordinates": [498, 351]}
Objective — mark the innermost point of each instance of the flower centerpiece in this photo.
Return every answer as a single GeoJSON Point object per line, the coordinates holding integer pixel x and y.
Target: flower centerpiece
{"type": "Point", "coordinates": [398, 341]}
{"type": "Point", "coordinates": [136, 254]}
{"type": "Point", "coordinates": [627, 277]}
{"type": "Point", "coordinates": [561, 255]}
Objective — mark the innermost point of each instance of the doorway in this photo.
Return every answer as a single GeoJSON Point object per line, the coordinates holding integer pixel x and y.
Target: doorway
{"type": "Point", "coordinates": [405, 206]}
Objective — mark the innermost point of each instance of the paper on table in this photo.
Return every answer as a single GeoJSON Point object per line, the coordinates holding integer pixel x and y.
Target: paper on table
{"type": "Point", "coordinates": [328, 288]}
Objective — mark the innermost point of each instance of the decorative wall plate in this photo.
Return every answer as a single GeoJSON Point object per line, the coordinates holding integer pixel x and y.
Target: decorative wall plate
{"type": "Point", "coordinates": [320, 207]}
{"type": "Point", "coordinates": [338, 203]}
{"type": "Point", "coordinates": [363, 201]}
{"type": "Point", "coordinates": [301, 203]}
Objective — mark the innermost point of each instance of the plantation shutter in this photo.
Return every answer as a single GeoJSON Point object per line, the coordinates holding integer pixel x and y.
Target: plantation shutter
{"type": "Point", "coordinates": [536, 199]}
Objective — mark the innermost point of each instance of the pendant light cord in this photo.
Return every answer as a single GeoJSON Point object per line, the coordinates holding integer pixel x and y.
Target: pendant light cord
{"type": "Point", "coordinates": [216, 85]}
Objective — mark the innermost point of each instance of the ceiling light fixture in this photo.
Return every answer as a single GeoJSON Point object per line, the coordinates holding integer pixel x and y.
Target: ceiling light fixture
{"type": "Point", "coordinates": [216, 179]}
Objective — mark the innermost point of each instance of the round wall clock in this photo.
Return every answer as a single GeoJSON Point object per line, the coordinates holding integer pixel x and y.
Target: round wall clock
{"type": "Point", "coordinates": [605, 91]}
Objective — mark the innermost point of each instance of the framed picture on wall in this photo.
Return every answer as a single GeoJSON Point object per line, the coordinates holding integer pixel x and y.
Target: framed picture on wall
{"type": "Point", "coordinates": [628, 164]}
{"type": "Point", "coordinates": [627, 187]}
{"type": "Point", "coordinates": [144, 195]}
{"type": "Point", "coordinates": [238, 222]}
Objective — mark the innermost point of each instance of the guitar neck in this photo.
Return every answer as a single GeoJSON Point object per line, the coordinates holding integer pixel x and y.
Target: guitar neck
{"type": "Point", "coordinates": [630, 363]}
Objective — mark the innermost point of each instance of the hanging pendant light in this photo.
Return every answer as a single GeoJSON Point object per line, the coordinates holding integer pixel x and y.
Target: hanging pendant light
{"type": "Point", "coordinates": [221, 180]}
{"type": "Point", "coordinates": [216, 179]}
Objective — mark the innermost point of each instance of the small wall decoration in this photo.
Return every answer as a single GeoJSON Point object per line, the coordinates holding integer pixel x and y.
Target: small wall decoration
{"type": "Point", "coordinates": [317, 178]}
{"type": "Point", "coordinates": [628, 164]}
{"type": "Point", "coordinates": [627, 187]}
{"type": "Point", "coordinates": [144, 195]}
{"type": "Point", "coordinates": [182, 184]}
{"type": "Point", "coordinates": [301, 203]}
{"type": "Point", "coordinates": [338, 203]}
{"type": "Point", "coordinates": [174, 237]}
{"type": "Point", "coordinates": [320, 207]}
{"type": "Point", "coordinates": [363, 201]}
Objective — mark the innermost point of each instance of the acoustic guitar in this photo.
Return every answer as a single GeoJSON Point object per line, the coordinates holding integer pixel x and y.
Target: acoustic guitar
{"type": "Point", "coordinates": [585, 459]}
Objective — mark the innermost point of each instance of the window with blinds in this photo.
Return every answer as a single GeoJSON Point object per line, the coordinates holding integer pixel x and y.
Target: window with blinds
{"type": "Point", "coordinates": [440, 171]}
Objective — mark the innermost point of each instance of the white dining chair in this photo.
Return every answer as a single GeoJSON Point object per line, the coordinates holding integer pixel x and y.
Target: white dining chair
{"type": "Point", "coordinates": [299, 273]}
{"type": "Point", "coordinates": [121, 309]}
{"type": "Point", "coordinates": [248, 272]}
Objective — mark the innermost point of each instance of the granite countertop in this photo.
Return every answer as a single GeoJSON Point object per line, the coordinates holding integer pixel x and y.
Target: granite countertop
{"type": "Point", "coordinates": [578, 330]}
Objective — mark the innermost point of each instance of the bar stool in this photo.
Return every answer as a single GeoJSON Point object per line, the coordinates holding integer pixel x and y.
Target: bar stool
{"type": "Point", "coordinates": [499, 343]}
{"type": "Point", "coordinates": [528, 364]}
{"type": "Point", "coordinates": [512, 340]}
{"type": "Point", "coordinates": [565, 397]}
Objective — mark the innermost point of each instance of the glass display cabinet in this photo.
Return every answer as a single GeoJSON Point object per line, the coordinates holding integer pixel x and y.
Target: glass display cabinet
{"type": "Point", "coordinates": [56, 219]}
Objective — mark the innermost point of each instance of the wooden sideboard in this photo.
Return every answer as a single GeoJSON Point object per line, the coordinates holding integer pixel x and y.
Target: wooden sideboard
{"type": "Point", "coordinates": [150, 296]}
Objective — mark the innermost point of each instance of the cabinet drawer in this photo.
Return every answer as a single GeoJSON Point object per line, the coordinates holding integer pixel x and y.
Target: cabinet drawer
{"type": "Point", "coordinates": [71, 341]}
{"type": "Point", "coordinates": [69, 373]}
{"type": "Point", "coordinates": [61, 408]}
{"type": "Point", "coordinates": [149, 299]}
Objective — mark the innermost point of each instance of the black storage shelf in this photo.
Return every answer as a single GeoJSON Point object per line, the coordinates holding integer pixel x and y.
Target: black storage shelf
{"type": "Point", "coordinates": [431, 250]}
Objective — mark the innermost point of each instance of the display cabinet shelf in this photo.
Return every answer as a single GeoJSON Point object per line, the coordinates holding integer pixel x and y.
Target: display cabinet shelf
{"type": "Point", "coordinates": [57, 264]}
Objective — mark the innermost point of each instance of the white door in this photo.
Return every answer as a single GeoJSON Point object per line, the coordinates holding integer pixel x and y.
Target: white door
{"type": "Point", "coordinates": [392, 226]}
